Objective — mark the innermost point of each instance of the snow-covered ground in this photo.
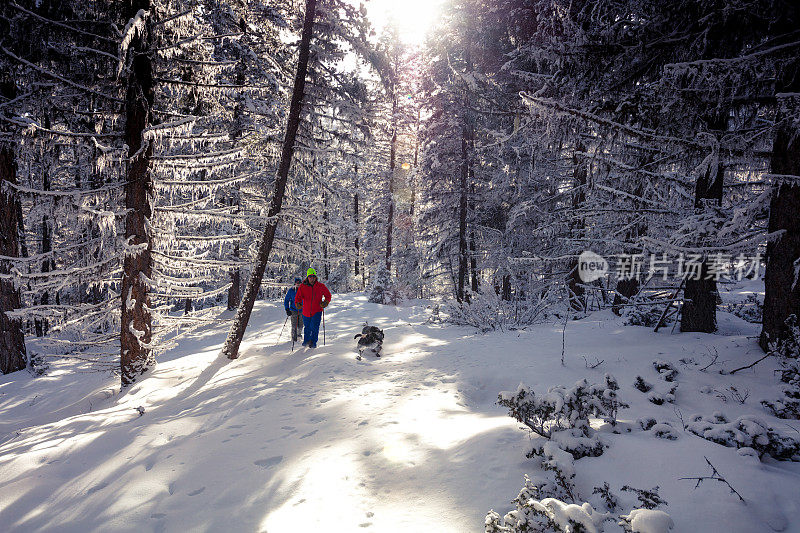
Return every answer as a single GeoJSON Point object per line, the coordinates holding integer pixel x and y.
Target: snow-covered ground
{"type": "Point", "coordinates": [315, 440]}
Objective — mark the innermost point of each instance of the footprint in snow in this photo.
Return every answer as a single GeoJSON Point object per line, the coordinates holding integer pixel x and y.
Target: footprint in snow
{"type": "Point", "coordinates": [94, 489]}
{"type": "Point", "coordinates": [271, 461]}
{"type": "Point", "coordinates": [158, 516]}
{"type": "Point", "coordinates": [196, 492]}
{"type": "Point", "coordinates": [309, 434]}
{"type": "Point", "coordinates": [171, 488]}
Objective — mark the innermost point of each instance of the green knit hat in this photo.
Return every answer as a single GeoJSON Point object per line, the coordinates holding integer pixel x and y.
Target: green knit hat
{"type": "Point", "coordinates": [311, 272]}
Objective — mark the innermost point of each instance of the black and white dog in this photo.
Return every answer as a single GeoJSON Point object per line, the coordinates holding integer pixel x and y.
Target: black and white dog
{"type": "Point", "coordinates": [370, 340]}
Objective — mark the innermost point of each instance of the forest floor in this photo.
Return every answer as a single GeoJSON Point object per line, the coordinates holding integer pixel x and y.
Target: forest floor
{"type": "Point", "coordinates": [284, 441]}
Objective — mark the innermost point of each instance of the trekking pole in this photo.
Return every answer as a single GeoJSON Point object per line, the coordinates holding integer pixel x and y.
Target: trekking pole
{"type": "Point", "coordinates": [281, 333]}
{"type": "Point", "coordinates": [323, 327]}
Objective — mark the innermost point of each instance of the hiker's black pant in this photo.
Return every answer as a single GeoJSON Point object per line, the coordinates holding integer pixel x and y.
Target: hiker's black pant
{"type": "Point", "coordinates": [297, 325]}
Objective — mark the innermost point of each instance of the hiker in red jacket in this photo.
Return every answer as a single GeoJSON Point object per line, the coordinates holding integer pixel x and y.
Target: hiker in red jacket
{"type": "Point", "coordinates": [312, 297]}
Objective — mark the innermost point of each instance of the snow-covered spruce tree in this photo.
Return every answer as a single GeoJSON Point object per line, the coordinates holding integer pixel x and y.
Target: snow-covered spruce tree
{"type": "Point", "coordinates": [137, 91]}
{"type": "Point", "coordinates": [447, 146]}
{"type": "Point", "coordinates": [592, 72]}
{"type": "Point", "coordinates": [64, 121]}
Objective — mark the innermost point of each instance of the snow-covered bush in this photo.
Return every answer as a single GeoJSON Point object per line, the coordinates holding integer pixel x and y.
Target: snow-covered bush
{"type": "Point", "coordinates": [646, 521]}
{"type": "Point", "coordinates": [750, 309]}
{"type": "Point", "coordinates": [608, 498]}
{"type": "Point", "coordinates": [648, 498]}
{"type": "Point", "coordinates": [664, 430]}
{"type": "Point", "coordinates": [381, 290]}
{"type": "Point", "coordinates": [788, 353]}
{"type": "Point", "coordinates": [536, 513]}
{"type": "Point", "coordinates": [641, 385]}
{"type": "Point", "coordinates": [746, 432]}
{"type": "Point", "coordinates": [488, 312]}
{"type": "Point", "coordinates": [644, 315]}
{"type": "Point", "coordinates": [665, 392]}
{"type": "Point", "coordinates": [667, 371]}
{"type": "Point", "coordinates": [563, 408]}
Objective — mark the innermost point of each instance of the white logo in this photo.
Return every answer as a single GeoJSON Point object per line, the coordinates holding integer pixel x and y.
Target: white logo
{"type": "Point", "coordinates": [591, 266]}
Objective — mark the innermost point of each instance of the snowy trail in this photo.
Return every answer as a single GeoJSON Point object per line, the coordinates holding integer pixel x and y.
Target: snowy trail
{"type": "Point", "coordinates": [268, 441]}
{"type": "Point", "coordinates": [279, 441]}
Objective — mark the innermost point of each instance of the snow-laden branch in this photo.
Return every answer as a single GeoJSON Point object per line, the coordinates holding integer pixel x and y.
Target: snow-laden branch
{"type": "Point", "coordinates": [562, 109]}
{"type": "Point", "coordinates": [58, 77]}
{"type": "Point", "coordinates": [32, 125]}
{"type": "Point", "coordinates": [134, 26]}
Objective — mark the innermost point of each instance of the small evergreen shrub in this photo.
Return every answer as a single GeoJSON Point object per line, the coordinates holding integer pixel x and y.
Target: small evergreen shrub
{"type": "Point", "coordinates": [746, 432]}
{"type": "Point", "coordinates": [664, 430]}
{"type": "Point", "coordinates": [486, 311]}
{"type": "Point", "coordinates": [644, 315]}
{"type": "Point", "coordinates": [564, 408]}
{"type": "Point", "coordinates": [648, 499]}
{"type": "Point", "coordinates": [750, 309]}
{"type": "Point", "coordinates": [641, 385]}
{"type": "Point", "coordinates": [609, 499]}
{"type": "Point", "coordinates": [666, 370]}
{"type": "Point", "coordinates": [788, 353]}
{"type": "Point", "coordinates": [641, 520]}
{"type": "Point", "coordinates": [535, 513]}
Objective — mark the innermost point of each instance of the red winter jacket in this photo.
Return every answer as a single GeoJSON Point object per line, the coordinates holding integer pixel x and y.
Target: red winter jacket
{"type": "Point", "coordinates": [310, 297]}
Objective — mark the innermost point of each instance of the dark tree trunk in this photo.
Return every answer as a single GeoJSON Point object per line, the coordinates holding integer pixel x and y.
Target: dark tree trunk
{"type": "Point", "coordinates": [463, 186]}
{"type": "Point", "coordinates": [782, 288]}
{"type": "Point", "coordinates": [574, 282]}
{"type": "Point", "coordinates": [699, 312]}
{"type": "Point", "coordinates": [506, 291]}
{"type": "Point", "coordinates": [392, 157]}
{"type": "Point", "coordinates": [355, 239]}
{"type": "Point", "coordinates": [12, 340]}
{"type": "Point", "coordinates": [463, 253]}
{"type": "Point", "coordinates": [625, 291]}
{"type": "Point", "coordinates": [236, 281]}
{"type": "Point", "coordinates": [234, 340]}
{"type": "Point", "coordinates": [325, 269]}
{"type": "Point", "coordinates": [136, 331]}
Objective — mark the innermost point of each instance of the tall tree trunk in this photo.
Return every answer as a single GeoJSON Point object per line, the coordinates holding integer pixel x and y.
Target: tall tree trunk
{"type": "Point", "coordinates": [699, 312]}
{"type": "Point", "coordinates": [234, 340]}
{"type": "Point", "coordinates": [782, 287]}
{"type": "Point", "coordinates": [355, 239]}
{"type": "Point", "coordinates": [506, 291]}
{"type": "Point", "coordinates": [357, 228]}
{"type": "Point", "coordinates": [41, 325]}
{"type": "Point", "coordinates": [136, 331]}
{"type": "Point", "coordinates": [574, 282]}
{"type": "Point", "coordinates": [465, 171]}
{"type": "Point", "coordinates": [463, 252]}
{"type": "Point", "coordinates": [325, 269]}
{"type": "Point", "coordinates": [12, 340]}
{"type": "Point", "coordinates": [234, 292]}
{"type": "Point", "coordinates": [236, 282]}
{"type": "Point", "coordinates": [392, 157]}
